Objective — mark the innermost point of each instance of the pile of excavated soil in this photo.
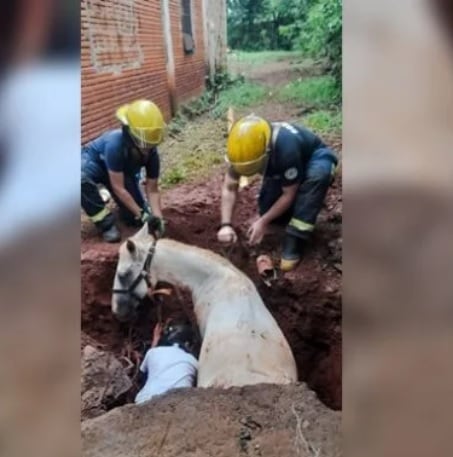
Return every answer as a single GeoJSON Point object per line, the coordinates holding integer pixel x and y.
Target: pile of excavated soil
{"type": "Point", "coordinates": [306, 303]}
{"type": "Point", "coordinates": [262, 420]}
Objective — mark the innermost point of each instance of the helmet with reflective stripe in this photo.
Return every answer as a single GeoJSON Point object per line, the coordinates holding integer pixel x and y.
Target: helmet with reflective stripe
{"type": "Point", "coordinates": [247, 145]}
{"type": "Point", "coordinates": [144, 121]}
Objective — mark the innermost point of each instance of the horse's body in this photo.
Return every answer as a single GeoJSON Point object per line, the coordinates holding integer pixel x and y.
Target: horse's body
{"type": "Point", "coordinates": [242, 344]}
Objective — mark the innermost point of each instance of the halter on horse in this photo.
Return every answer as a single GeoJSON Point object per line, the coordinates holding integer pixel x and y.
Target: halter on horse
{"type": "Point", "coordinates": [142, 276]}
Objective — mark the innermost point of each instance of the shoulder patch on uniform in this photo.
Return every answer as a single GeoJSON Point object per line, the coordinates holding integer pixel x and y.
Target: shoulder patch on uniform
{"type": "Point", "coordinates": [290, 128]}
{"type": "Point", "coordinates": [291, 173]}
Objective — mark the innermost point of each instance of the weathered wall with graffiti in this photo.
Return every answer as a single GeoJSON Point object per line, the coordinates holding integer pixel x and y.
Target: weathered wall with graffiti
{"type": "Point", "coordinates": [124, 57]}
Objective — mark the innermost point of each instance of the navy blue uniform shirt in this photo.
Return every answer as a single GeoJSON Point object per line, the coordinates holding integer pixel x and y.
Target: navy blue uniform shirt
{"type": "Point", "coordinates": [114, 152]}
{"type": "Point", "coordinates": [291, 152]}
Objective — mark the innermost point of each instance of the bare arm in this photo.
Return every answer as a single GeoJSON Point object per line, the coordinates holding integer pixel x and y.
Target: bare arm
{"type": "Point", "coordinates": [152, 189]}
{"type": "Point", "coordinates": [281, 205]}
{"type": "Point", "coordinates": [229, 193]}
{"type": "Point", "coordinates": [258, 228]}
{"type": "Point", "coordinates": [117, 181]}
{"type": "Point", "coordinates": [226, 233]}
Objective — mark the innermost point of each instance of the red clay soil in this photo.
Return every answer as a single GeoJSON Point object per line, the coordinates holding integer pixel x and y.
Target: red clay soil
{"type": "Point", "coordinates": [306, 303]}
{"type": "Point", "coordinates": [251, 421]}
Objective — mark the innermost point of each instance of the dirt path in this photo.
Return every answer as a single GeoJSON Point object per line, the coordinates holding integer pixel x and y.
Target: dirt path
{"type": "Point", "coordinates": [273, 72]}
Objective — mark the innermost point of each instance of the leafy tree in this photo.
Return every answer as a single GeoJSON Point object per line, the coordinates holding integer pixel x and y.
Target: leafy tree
{"type": "Point", "coordinates": [244, 16]}
{"type": "Point", "coordinates": [265, 24]}
{"type": "Point", "coordinates": [321, 34]}
{"type": "Point", "coordinates": [314, 26]}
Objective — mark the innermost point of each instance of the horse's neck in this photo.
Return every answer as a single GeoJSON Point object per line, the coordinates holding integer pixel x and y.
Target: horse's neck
{"type": "Point", "coordinates": [185, 265]}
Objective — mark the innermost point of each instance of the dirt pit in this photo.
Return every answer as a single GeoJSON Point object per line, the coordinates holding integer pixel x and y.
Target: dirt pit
{"type": "Point", "coordinates": [306, 303]}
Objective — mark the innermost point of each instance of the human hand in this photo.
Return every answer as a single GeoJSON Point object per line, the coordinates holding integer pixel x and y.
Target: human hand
{"type": "Point", "coordinates": [161, 226]}
{"type": "Point", "coordinates": [256, 231]}
{"type": "Point", "coordinates": [227, 234]}
{"type": "Point", "coordinates": [145, 216]}
{"type": "Point", "coordinates": [156, 225]}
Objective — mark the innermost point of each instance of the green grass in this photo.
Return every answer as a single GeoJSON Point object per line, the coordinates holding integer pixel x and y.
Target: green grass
{"type": "Point", "coordinates": [317, 92]}
{"type": "Point", "coordinates": [192, 165]}
{"type": "Point", "coordinates": [263, 56]}
{"type": "Point", "coordinates": [239, 96]}
{"type": "Point", "coordinates": [324, 122]}
{"type": "Point", "coordinates": [194, 152]}
{"type": "Point", "coordinates": [172, 176]}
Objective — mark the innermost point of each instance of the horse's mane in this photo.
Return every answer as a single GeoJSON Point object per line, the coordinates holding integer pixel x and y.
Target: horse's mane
{"type": "Point", "coordinates": [202, 252]}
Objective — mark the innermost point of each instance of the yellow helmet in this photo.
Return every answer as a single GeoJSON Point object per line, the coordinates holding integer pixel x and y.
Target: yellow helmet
{"type": "Point", "coordinates": [247, 145]}
{"type": "Point", "coordinates": [145, 121]}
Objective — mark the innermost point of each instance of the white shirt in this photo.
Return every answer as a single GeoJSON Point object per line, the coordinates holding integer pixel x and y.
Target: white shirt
{"type": "Point", "coordinates": [167, 367]}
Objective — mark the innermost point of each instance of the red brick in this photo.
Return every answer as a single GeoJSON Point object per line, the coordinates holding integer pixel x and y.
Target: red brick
{"type": "Point", "coordinates": [103, 92]}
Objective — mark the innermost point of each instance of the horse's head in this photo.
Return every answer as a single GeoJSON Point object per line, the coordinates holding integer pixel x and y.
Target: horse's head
{"type": "Point", "coordinates": [132, 277]}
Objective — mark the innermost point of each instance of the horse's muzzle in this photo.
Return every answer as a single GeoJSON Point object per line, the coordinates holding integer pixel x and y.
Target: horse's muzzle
{"type": "Point", "coordinates": [125, 308]}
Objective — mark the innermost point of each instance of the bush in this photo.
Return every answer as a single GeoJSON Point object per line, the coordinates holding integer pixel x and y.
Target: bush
{"type": "Point", "coordinates": [322, 34]}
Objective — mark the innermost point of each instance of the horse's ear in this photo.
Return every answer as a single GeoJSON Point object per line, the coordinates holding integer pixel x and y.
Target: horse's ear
{"type": "Point", "coordinates": [130, 246]}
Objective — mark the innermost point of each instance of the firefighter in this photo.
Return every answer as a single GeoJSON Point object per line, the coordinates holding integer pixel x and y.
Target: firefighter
{"type": "Point", "coordinates": [115, 160]}
{"type": "Point", "coordinates": [297, 169]}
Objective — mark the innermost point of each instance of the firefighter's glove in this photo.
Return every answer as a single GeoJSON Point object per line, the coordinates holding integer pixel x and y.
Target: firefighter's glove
{"type": "Point", "coordinates": [156, 225]}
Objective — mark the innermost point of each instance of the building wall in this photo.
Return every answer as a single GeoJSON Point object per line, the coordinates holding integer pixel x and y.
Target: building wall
{"type": "Point", "coordinates": [215, 35]}
{"type": "Point", "coordinates": [189, 68]}
{"type": "Point", "coordinates": [123, 58]}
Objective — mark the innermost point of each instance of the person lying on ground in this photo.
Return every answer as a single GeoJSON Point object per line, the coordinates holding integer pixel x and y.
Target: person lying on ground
{"type": "Point", "coordinates": [297, 169]}
{"type": "Point", "coordinates": [170, 363]}
{"type": "Point", "coordinates": [115, 160]}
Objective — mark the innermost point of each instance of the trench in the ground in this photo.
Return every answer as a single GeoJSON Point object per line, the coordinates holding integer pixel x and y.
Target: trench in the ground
{"type": "Point", "coordinates": [306, 305]}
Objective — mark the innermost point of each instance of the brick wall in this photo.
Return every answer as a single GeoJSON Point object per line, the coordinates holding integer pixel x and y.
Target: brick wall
{"type": "Point", "coordinates": [190, 69]}
{"type": "Point", "coordinates": [123, 58]}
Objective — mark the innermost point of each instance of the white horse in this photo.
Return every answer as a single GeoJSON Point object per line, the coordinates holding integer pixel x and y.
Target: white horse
{"type": "Point", "coordinates": [241, 342]}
